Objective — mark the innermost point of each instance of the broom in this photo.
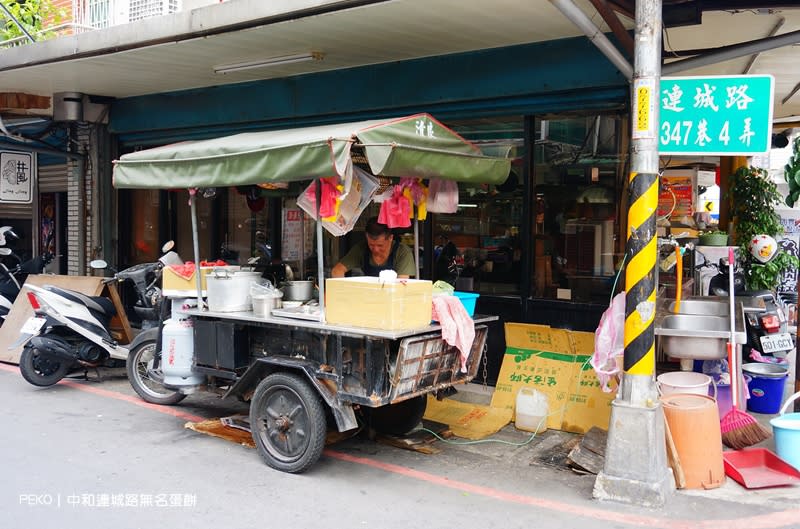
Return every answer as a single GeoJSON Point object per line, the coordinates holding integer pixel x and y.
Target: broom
{"type": "Point", "coordinates": [739, 430]}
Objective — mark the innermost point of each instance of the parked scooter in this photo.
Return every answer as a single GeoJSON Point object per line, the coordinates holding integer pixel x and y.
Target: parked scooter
{"type": "Point", "coordinates": [767, 327]}
{"type": "Point", "coordinates": [12, 279]}
{"type": "Point", "coordinates": [71, 330]}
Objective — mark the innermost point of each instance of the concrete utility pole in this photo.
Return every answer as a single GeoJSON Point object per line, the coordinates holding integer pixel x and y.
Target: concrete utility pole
{"type": "Point", "coordinates": [636, 469]}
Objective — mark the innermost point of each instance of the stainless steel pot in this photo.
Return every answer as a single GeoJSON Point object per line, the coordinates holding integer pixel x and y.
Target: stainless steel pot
{"type": "Point", "coordinates": [298, 290]}
{"type": "Point", "coordinates": [263, 305]}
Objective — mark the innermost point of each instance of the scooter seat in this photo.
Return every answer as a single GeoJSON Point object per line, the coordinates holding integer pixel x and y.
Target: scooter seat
{"type": "Point", "coordinates": [96, 304]}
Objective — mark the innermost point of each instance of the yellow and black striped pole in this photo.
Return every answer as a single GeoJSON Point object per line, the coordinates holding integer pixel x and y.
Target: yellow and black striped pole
{"type": "Point", "coordinates": [640, 298]}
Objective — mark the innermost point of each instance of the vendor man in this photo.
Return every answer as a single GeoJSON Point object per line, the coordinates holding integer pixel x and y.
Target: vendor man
{"type": "Point", "coordinates": [380, 251]}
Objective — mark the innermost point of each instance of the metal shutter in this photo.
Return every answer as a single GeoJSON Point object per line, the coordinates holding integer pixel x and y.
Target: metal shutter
{"type": "Point", "coordinates": [16, 211]}
{"type": "Point", "coordinates": [53, 178]}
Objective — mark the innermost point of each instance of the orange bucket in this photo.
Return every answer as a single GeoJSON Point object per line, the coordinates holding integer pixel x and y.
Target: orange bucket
{"type": "Point", "coordinates": [694, 423]}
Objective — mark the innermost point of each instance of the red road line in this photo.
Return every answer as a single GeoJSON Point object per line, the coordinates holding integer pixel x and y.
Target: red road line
{"type": "Point", "coordinates": [772, 520]}
{"type": "Point", "coordinates": [136, 401]}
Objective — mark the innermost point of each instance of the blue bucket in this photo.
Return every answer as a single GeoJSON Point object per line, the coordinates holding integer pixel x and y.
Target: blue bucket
{"type": "Point", "coordinates": [766, 387]}
{"type": "Point", "coordinates": [468, 299]}
{"type": "Point", "coordinates": [786, 429]}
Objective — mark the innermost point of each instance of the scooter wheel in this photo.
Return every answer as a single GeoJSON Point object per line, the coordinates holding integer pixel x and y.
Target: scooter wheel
{"type": "Point", "coordinates": [139, 361]}
{"type": "Point", "coordinates": [41, 369]}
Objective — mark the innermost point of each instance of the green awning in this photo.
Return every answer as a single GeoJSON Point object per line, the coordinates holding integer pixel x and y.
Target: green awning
{"type": "Point", "coordinates": [415, 145]}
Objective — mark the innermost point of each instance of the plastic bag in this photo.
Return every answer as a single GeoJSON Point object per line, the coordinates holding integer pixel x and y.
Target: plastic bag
{"type": "Point", "coordinates": [442, 196]}
{"type": "Point", "coordinates": [609, 342]}
{"type": "Point", "coordinates": [348, 207]}
{"type": "Point", "coordinates": [265, 289]}
{"type": "Point", "coordinates": [442, 287]}
{"type": "Point", "coordinates": [395, 212]}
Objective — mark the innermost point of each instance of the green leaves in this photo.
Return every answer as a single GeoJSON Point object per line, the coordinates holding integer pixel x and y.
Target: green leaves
{"type": "Point", "coordinates": [791, 173]}
{"type": "Point", "coordinates": [33, 14]}
{"type": "Point", "coordinates": [754, 198]}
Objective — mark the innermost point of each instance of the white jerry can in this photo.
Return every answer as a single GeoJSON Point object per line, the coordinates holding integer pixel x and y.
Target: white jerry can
{"type": "Point", "coordinates": [177, 354]}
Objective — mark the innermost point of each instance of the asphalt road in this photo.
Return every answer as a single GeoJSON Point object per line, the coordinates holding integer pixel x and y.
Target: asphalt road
{"type": "Point", "coordinates": [91, 454]}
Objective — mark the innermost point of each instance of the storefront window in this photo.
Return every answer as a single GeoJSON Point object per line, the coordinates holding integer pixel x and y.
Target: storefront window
{"type": "Point", "coordinates": [577, 175]}
{"type": "Point", "coordinates": [479, 248]}
{"type": "Point", "coordinates": [144, 215]}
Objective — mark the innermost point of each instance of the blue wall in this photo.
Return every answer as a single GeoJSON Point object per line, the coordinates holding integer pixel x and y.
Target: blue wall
{"type": "Point", "coordinates": [567, 74]}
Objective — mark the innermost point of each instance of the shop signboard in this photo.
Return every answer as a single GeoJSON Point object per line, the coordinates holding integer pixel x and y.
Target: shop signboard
{"type": "Point", "coordinates": [722, 115]}
{"type": "Point", "coordinates": [17, 170]}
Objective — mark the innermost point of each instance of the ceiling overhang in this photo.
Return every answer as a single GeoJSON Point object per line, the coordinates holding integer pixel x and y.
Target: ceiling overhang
{"type": "Point", "coordinates": [180, 51]}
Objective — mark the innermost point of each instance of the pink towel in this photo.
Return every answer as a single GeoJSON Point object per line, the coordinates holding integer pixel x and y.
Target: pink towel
{"type": "Point", "coordinates": [458, 329]}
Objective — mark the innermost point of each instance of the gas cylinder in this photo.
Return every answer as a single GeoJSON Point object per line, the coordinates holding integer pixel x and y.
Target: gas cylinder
{"type": "Point", "coordinates": [177, 354]}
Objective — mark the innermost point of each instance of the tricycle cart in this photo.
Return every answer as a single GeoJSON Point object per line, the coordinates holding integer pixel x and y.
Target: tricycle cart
{"type": "Point", "coordinates": [298, 373]}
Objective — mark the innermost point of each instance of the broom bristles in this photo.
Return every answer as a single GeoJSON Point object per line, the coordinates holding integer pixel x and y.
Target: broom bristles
{"type": "Point", "coordinates": [740, 430]}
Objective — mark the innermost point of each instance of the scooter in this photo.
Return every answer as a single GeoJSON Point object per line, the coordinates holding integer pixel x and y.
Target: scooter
{"type": "Point", "coordinates": [11, 279]}
{"type": "Point", "coordinates": [765, 321]}
{"type": "Point", "coordinates": [70, 330]}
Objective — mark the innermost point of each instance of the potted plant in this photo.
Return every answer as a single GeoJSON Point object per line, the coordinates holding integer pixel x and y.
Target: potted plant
{"type": "Point", "coordinates": [753, 199]}
{"type": "Point", "coordinates": [714, 238]}
{"type": "Point", "coordinates": [792, 174]}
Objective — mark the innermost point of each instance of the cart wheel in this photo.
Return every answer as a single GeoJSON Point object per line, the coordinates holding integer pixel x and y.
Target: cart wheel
{"type": "Point", "coordinates": [287, 420]}
{"type": "Point", "coordinates": [397, 419]}
{"type": "Point", "coordinates": [140, 360]}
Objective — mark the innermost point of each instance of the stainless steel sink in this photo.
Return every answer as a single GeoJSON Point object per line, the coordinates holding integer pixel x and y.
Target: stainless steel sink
{"type": "Point", "coordinates": [701, 330]}
{"type": "Point", "coordinates": [701, 306]}
{"type": "Point", "coordinates": [696, 322]}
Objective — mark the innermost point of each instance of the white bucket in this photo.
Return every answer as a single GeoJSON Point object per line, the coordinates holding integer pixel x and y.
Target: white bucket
{"type": "Point", "coordinates": [531, 410]}
{"type": "Point", "coordinates": [230, 292]}
{"type": "Point", "coordinates": [684, 382]}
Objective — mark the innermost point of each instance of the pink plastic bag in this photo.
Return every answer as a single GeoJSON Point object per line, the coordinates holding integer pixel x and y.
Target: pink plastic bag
{"type": "Point", "coordinates": [327, 204]}
{"type": "Point", "coordinates": [609, 342]}
{"type": "Point", "coordinates": [442, 196]}
{"type": "Point", "coordinates": [396, 211]}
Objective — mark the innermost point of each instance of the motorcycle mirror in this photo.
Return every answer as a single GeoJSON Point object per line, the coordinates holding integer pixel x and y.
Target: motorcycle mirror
{"type": "Point", "coordinates": [98, 264]}
{"type": "Point", "coordinates": [5, 251]}
{"type": "Point", "coordinates": [169, 245]}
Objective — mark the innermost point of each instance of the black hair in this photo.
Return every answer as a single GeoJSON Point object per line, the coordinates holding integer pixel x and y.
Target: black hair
{"type": "Point", "coordinates": [376, 229]}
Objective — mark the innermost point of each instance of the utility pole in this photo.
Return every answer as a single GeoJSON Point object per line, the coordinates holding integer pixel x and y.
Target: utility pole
{"type": "Point", "coordinates": [635, 468]}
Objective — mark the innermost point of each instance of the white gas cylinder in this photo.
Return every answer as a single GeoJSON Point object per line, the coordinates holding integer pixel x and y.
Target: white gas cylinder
{"type": "Point", "coordinates": [531, 410]}
{"type": "Point", "coordinates": [177, 353]}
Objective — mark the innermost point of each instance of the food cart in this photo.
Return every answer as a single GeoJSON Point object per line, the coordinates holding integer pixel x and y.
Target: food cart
{"type": "Point", "coordinates": [299, 371]}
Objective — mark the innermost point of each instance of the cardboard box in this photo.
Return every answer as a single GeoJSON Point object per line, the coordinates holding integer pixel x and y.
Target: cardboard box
{"type": "Point", "coordinates": [174, 285]}
{"type": "Point", "coordinates": [555, 362]}
{"type": "Point", "coordinates": [366, 302]}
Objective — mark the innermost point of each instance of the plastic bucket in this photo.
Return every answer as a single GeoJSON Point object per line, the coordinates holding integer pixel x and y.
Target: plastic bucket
{"type": "Point", "coordinates": [530, 413]}
{"type": "Point", "coordinates": [695, 429]}
{"type": "Point", "coordinates": [724, 396]}
{"type": "Point", "coordinates": [684, 382]}
{"type": "Point", "coordinates": [766, 387]}
{"type": "Point", "coordinates": [786, 429]}
{"type": "Point", "coordinates": [468, 299]}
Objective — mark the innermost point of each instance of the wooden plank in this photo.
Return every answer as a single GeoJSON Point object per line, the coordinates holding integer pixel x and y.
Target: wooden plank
{"type": "Point", "coordinates": [590, 453]}
{"type": "Point", "coordinates": [21, 310]}
{"type": "Point", "coordinates": [673, 459]}
{"type": "Point", "coordinates": [119, 327]}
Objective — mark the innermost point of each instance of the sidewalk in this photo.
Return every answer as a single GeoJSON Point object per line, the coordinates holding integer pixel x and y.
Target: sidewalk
{"type": "Point", "coordinates": [546, 450]}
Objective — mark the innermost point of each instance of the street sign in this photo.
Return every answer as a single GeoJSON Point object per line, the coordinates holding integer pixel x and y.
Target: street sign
{"type": "Point", "coordinates": [722, 115]}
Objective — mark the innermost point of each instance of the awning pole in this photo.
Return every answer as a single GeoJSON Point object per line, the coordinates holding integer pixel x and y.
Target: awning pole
{"type": "Point", "coordinates": [416, 242]}
{"type": "Point", "coordinates": [320, 267]}
{"type": "Point", "coordinates": [196, 247]}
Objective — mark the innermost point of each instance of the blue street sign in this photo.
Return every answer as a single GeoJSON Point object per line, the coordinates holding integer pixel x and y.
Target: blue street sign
{"type": "Point", "coordinates": [727, 115]}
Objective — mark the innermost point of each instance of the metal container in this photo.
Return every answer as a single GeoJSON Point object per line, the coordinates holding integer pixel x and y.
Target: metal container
{"type": "Point", "coordinates": [298, 290]}
{"type": "Point", "coordinates": [263, 305]}
{"type": "Point", "coordinates": [765, 370]}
